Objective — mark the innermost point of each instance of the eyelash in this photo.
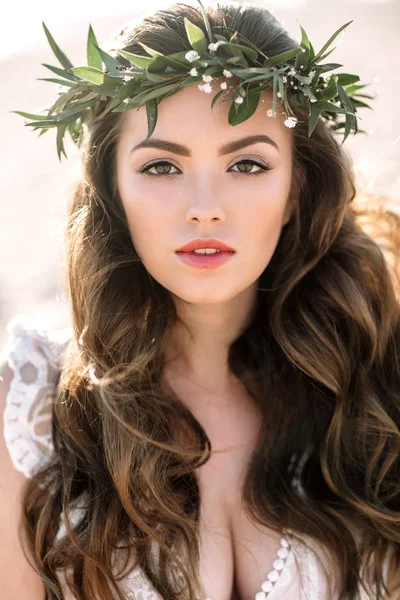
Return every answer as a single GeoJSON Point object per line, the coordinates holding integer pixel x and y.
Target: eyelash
{"type": "Point", "coordinates": [145, 170]}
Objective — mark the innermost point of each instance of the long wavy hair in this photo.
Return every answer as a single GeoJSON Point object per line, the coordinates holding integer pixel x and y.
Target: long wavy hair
{"type": "Point", "coordinates": [320, 358]}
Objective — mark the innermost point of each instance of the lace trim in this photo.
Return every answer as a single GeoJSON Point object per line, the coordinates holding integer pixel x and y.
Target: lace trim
{"type": "Point", "coordinates": [34, 356]}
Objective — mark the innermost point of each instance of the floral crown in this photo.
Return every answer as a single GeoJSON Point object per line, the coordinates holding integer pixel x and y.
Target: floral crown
{"type": "Point", "coordinates": [104, 85]}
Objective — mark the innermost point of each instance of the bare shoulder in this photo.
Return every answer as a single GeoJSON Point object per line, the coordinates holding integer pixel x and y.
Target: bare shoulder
{"type": "Point", "coordinates": [18, 579]}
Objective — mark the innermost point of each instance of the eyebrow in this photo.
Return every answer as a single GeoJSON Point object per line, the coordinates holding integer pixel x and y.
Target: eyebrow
{"type": "Point", "coordinates": [227, 148]}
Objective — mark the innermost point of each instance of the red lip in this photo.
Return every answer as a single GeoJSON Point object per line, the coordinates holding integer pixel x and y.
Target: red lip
{"type": "Point", "coordinates": [200, 243]}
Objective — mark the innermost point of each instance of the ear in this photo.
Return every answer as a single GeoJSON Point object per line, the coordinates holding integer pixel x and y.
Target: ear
{"type": "Point", "coordinates": [294, 195]}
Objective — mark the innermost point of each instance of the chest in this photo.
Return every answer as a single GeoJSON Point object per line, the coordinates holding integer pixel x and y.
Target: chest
{"type": "Point", "coordinates": [236, 554]}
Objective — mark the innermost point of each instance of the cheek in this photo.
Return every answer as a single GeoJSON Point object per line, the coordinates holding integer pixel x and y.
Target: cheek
{"type": "Point", "coordinates": [265, 210]}
{"type": "Point", "coordinates": [149, 222]}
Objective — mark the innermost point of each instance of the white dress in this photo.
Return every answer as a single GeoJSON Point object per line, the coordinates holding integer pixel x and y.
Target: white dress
{"type": "Point", "coordinates": [35, 355]}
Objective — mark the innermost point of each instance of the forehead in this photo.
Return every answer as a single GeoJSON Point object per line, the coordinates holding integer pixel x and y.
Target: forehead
{"type": "Point", "coordinates": [187, 117]}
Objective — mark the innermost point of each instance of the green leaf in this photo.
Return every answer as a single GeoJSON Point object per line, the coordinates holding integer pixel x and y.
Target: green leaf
{"type": "Point", "coordinates": [362, 96]}
{"type": "Point", "coordinates": [216, 98]}
{"type": "Point", "coordinates": [140, 61]}
{"type": "Point", "coordinates": [108, 88]}
{"type": "Point", "coordinates": [89, 74]}
{"type": "Point", "coordinates": [243, 38]}
{"type": "Point", "coordinates": [328, 106]}
{"type": "Point", "coordinates": [282, 91]}
{"type": "Point", "coordinates": [283, 57]}
{"type": "Point", "coordinates": [156, 71]}
{"type": "Point", "coordinates": [75, 108]}
{"type": "Point", "coordinates": [151, 111]}
{"type": "Point", "coordinates": [29, 115]}
{"type": "Point", "coordinates": [313, 118]}
{"type": "Point", "coordinates": [64, 61]}
{"type": "Point", "coordinates": [175, 64]}
{"type": "Point", "coordinates": [324, 56]}
{"type": "Point", "coordinates": [344, 98]}
{"type": "Point", "coordinates": [347, 78]}
{"type": "Point", "coordinates": [150, 51]}
{"type": "Point", "coordinates": [48, 123]}
{"type": "Point", "coordinates": [327, 67]}
{"type": "Point", "coordinates": [245, 110]}
{"type": "Point", "coordinates": [353, 88]}
{"type": "Point", "coordinates": [60, 145]}
{"type": "Point", "coordinates": [69, 97]}
{"type": "Point", "coordinates": [240, 49]}
{"type": "Point", "coordinates": [305, 42]}
{"type": "Point", "coordinates": [312, 52]}
{"type": "Point", "coordinates": [206, 22]}
{"type": "Point", "coordinates": [360, 104]}
{"type": "Point", "coordinates": [316, 110]}
{"type": "Point", "coordinates": [330, 92]}
{"type": "Point", "coordinates": [61, 72]}
{"type": "Point", "coordinates": [244, 73]}
{"type": "Point", "coordinates": [42, 131]}
{"type": "Point", "coordinates": [179, 58]}
{"type": "Point", "coordinates": [145, 96]}
{"type": "Point", "coordinates": [220, 38]}
{"type": "Point", "coordinates": [196, 37]}
{"type": "Point", "coordinates": [58, 81]}
{"type": "Point", "coordinates": [274, 96]}
{"type": "Point", "coordinates": [328, 43]}
{"type": "Point", "coordinates": [351, 123]}
{"type": "Point", "coordinates": [129, 89]}
{"type": "Point", "coordinates": [307, 92]}
{"type": "Point", "coordinates": [109, 61]}
{"type": "Point", "coordinates": [93, 56]}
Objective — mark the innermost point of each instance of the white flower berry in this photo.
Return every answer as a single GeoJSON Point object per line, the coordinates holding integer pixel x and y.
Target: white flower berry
{"type": "Point", "coordinates": [284, 79]}
{"type": "Point", "coordinates": [279, 94]}
{"type": "Point", "coordinates": [313, 99]}
{"type": "Point", "coordinates": [192, 55]}
{"type": "Point", "coordinates": [204, 64]}
{"type": "Point", "coordinates": [290, 122]}
{"type": "Point", "coordinates": [227, 73]}
{"type": "Point", "coordinates": [238, 99]}
{"type": "Point", "coordinates": [223, 85]}
{"type": "Point", "coordinates": [207, 78]}
{"type": "Point", "coordinates": [270, 113]}
{"type": "Point", "coordinates": [193, 72]}
{"type": "Point", "coordinates": [292, 72]}
{"type": "Point", "coordinates": [205, 87]}
{"type": "Point", "coordinates": [215, 46]}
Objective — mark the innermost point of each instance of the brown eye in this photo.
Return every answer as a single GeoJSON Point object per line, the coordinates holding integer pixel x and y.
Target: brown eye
{"type": "Point", "coordinates": [250, 164]}
{"type": "Point", "coordinates": [164, 164]}
{"type": "Point", "coordinates": [161, 164]}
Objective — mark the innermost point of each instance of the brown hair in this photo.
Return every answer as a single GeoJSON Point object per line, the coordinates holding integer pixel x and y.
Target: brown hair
{"type": "Point", "coordinates": [320, 358]}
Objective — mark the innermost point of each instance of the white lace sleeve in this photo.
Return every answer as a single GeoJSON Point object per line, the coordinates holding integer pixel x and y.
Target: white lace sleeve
{"type": "Point", "coordinates": [34, 355]}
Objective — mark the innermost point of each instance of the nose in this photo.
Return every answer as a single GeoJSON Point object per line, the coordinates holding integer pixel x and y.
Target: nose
{"type": "Point", "coordinates": [206, 204]}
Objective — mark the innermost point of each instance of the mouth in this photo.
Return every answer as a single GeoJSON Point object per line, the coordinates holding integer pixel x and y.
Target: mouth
{"type": "Point", "coordinates": [205, 261]}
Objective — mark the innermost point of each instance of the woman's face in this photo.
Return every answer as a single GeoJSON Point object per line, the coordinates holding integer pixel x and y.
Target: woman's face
{"type": "Point", "coordinates": [205, 192]}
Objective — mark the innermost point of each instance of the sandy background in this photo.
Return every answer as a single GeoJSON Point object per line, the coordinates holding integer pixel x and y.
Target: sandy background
{"type": "Point", "coordinates": [35, 186]}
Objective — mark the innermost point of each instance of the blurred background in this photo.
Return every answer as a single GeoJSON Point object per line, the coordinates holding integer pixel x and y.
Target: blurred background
{"type": "Point", "coordinates": [35, 186]}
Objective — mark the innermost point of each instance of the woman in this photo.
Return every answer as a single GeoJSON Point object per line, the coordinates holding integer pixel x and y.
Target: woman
{"type": "Point", "coordinates": [222, 426]}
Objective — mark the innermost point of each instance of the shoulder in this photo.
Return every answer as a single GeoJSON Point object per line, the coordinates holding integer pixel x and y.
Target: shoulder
{"type": "Point", "coordinates": [30, 364]}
